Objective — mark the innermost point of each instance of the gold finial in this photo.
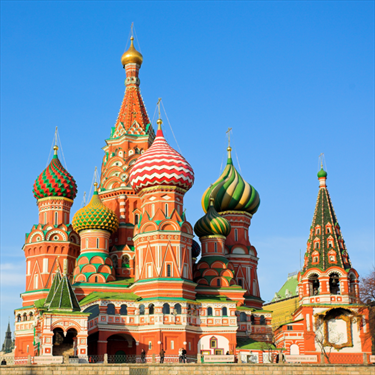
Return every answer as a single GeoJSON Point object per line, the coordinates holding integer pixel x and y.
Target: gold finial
{"type": "Point", "coordinates": [159, 121]}
{"type": "Point", "coordinates": [131, 55]}
{"type": "Point", "coordinates": [229, 149]}
{"type": "Point", "coordinates": [212, 200]}
{"type": "Point", "coordinates": [55, 148]}
{"type": "Point", "coordinates": [95, 186]}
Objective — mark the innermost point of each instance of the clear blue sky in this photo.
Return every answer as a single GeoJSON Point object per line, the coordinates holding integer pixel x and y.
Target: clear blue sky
{"type": "Point", "coordinates": [293, 79]}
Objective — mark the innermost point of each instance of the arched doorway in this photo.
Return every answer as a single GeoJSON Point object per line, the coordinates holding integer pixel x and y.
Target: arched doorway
{"type": "Point", "coordinates": [121, 348]}
{"type": "Point", "coordinates": [64, 344]}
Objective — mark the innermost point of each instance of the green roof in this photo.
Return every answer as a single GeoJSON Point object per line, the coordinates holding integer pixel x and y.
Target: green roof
{"type": "Point", "coordinates": [95, 296]}
{"type": "Point", "coordinates": [289, 289]}
{"type": "Point", "coordinates": [52, 290]}
{"type": "Point", "coordinates": [64, 297]}
{"type": "Point", "coordinates": [246, 308]}
{"type": "Point", "coordinates": [248, 343]}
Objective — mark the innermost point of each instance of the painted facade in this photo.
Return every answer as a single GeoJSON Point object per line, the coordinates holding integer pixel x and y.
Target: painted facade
{"type": "Point", "coordinates": [329, 322]}
{"type": "Point", "coordinates": [126, 274]}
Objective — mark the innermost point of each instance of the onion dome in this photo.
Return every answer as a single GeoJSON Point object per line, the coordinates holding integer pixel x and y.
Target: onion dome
{"type": "Point", "coordinates": [322, 173]}
{"type": "Point", "coordinates": [131, 55]}
{"type": "Point", "coordinates": [212, 224]}
{"type": "Point", "coordinates": [95, 215]}
{"type": "Point", "coordinates": [231, 192]}
{"type": "Point", "coordinates": [195, 249]}
{"type": "Point", "coordinates": [161, 165]}
{"type": "Point", "coordinates": [55, 181]}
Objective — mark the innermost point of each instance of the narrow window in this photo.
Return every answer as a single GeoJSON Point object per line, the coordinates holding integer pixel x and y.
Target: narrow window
{"type": "Point", "coordinates": [240, 282]}
{"type": "Point", "coordinates": [136, 219]}
{"type": "Point", "coordinates": [149, 270]}
{"type": "Point", "coordinates": [172, 344]}
{"type": "Point", "coordinates": [189, 345]}
{"type": "Point", "coordinates": [316, 245]}
{"type": "Point", "coordinates": [36, 281]}
{"type": "Point", "coordinates": [168, 270]}
{"type": "Point", "coordinates": [245, 235]}
{"type": "Point", "coordinates": [166, 210]}
{"type": "Point", "coordinates": [27, 348]}
{"type": "Point", "coordinates": [28, 267]}
{"type": "Point", "coordinates": [106, 244]}
{"type": "Point", "coordinates": [153, 210]}
{"type": "Point", "coordinates": [56, 218]}
{"type": "Point", "coordinates": [45, 218]}
{"type": "Point", "coordinates": [224, 311]}
{"type": "Point", "coordinates": [236, 235]}
{"type": "Point", "coordinates": [87, 243]}
{"type": "Point", "coordinates": [149, 345]}
{"type": "Point", "coordinates": [97, 243]}
{"type": "Point", "coordinates": [215, 247]}
{"type": "Point", "coordinates": [218, 282]}
{"type": "Point", "coordinates": [96, 279]}
{"type": "Point", "coordinates": [65, 218]}
{"type": "Point", "coordinates": [45, 265]}
{"type": "Point", "coordinates": [209, 311]}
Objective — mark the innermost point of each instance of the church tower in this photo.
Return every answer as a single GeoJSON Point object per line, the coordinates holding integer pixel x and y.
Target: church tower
{"type": "Point", "coordinates": [52, 240]}
{"type": "Point", "coordinates": [237, 201]}
{"type": "Point", "coordinates": [327, 275]}
{"type": "Point", "coordinates": [131, 136]}
{"type": "Point", "coordinates": [163, 238]}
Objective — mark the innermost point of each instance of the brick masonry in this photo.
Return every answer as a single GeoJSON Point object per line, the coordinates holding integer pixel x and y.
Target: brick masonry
{"type": "Point", "coordinates": [189, 369]}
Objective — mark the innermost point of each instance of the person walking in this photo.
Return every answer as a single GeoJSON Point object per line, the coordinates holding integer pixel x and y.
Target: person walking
{"type": "Point", "coordinates": [143, 356]}
{"type": "Point", "coordinates": [184, 355]}
{"type": "Point", "coordinates": [162, 353]}
{"type": "Point", "coordinates": [180, 355]}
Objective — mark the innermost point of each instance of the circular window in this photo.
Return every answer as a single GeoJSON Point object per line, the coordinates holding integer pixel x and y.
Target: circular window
{"type": "Point", "coordinates": [38, 238]}
{"type": "Point", "coordinates": [55, 238]}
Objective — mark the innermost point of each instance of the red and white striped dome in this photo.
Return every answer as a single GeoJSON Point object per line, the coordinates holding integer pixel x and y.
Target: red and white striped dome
{"type": "Point", "coordinates": [161, 165]}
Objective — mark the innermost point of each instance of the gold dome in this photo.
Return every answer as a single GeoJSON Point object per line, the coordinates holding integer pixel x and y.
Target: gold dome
{"type": "Point", "coordinates": [131, 55]}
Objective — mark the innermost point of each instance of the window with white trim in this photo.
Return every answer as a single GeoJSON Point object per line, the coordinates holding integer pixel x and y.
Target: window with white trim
{"type": "Point", "coordinates": [172, 344]}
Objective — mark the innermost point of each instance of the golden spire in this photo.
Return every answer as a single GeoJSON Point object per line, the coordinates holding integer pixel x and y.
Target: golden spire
{"type": "Point", "coordinates": [159, 121]}
{"type": "Point", "coordinates": [55, 147]}
{"type": "Point", "coordinates": [131, 55]}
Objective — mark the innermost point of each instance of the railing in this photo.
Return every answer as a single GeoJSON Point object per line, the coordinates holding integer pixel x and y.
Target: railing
{"type": "Point", "coordinates": [122, 358]}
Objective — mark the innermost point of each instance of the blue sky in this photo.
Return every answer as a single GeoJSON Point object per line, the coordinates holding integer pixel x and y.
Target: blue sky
{"type": "Point", "coordinates": [293, 79]}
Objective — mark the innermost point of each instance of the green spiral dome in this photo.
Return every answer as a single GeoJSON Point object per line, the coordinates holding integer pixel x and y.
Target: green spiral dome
{"type": "Point", "coordinates": [231, 192]}
{"type": "Point", "coordinates": [212, 224]}
{"type": "Point", "coordinates": [95, 215]}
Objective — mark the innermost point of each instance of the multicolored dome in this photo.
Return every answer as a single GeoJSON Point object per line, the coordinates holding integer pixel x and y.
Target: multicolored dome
{"type": "Point", "coordinates": [212, 224]}
{"type": "Point", "coordinates": [161, 165]}
{"type": "Point", "coordinates": [95, 215]}
{"type": "Point", "coordinates": [55, 181]}
{"type": "Point", "coordinates": [231, 192]}
{"type": "Point", "coordinates": [322, 173]}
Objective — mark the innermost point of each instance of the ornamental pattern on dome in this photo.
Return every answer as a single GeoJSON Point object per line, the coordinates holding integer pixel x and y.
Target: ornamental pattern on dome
{"type": "Point", "coordinates": [212, 224]}
{"type": "Point", "coordinates": [231, 192]}
{"type": "Point", "coordinates": [55, 181]}
{"type": "Point", "coordinates": [95, 216]}
{"type": "Point", "coordinates": [161, 165]}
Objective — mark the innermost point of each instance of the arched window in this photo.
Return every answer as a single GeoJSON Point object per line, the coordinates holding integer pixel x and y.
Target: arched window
{"type": "Point", "coordinates": [314, 284]}
{"type": "Point", "coordinates": [352, 284]}
{"type": "Point", "coordinates": [262, 320]}
{"type": "Point", "coordinates": [243, 317]}
{"type": "Point", "coordinates": [124, 310]}
{"type": "Point", "coordinates": [24, 317]}
{"type": "Point", "coordinates": [166, 309]}
{"type": "Point", "coordinates": [125, 261]}
{"type": "Point", "coordinates": [151, 309]}
{"type": "Point", "coordinates": [224, 311]}
{"type": "Point", "coordinates": [31, 316]}
{"type": "Point", "coordinates": [114, 261]}
{"type": "Point", "coordinates": [177, 308]}
{"type": "Point", "coordinates": [141, 309]}
{"type": "Point", "coordinates": [18, 317]}
{"type": "Point", "coordinates": [334, 283]}
{"type": "Point", "coordinates": [111, 309]}
{"type": "Point", "coordinates": [316, 245]}
{"type": "Point", "coordinates": [209, 311]}
{"type": "Point", "coordinates": [252, 319]}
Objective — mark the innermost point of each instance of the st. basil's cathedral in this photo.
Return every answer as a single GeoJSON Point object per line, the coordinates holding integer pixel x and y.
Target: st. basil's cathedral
{"type": "Point", "coordinates": [126, 275]}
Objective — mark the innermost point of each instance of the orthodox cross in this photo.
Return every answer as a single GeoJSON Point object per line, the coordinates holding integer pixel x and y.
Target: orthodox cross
{"type": "Point", "coordinates": [321, 157]}
{"type": "Point", "coordinates": [158, 104]}
{"type": "Point", "coordinates": [131, 29]}
{"type": "Point", "coordinates": [228, 132]}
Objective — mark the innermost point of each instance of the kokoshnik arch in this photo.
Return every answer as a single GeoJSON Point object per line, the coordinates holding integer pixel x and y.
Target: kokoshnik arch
{"type": "Point", "coordinates": [125, 275]}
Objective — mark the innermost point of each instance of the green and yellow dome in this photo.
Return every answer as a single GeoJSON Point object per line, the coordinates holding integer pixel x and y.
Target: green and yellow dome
{"type": "Point", "coordinates": [95, 215]}
{"type": "Point", "coordinates": [212, 224]}
{"type": "Point", "coordinates": [231, 192]}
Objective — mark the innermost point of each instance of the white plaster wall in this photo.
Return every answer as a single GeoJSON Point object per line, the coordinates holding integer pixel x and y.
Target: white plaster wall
{"type": "Point", "coordinates": [222, 343]}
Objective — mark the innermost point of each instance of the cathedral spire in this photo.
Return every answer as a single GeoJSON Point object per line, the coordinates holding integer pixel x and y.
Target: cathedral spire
{"type": "Point", "coordinates": [326, 246]}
